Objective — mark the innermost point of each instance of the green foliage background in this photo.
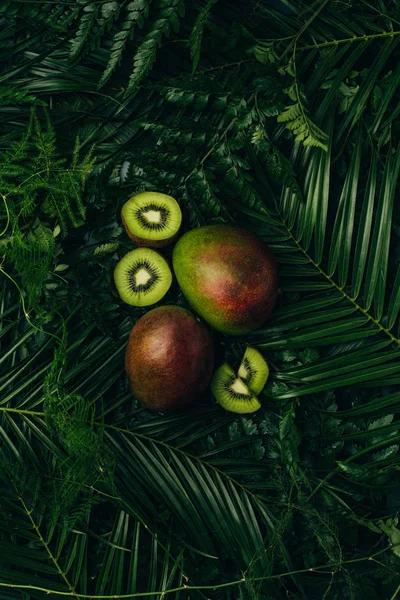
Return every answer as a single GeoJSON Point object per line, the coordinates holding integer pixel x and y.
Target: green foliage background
{"type": "Point", "coordinates": [280, 116]}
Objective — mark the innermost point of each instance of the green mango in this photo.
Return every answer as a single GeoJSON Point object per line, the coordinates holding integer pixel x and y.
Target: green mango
{"type": "Point", "coordinates": [228, 275]}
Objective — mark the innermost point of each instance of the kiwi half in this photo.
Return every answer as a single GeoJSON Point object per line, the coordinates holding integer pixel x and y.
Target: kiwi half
{"type": "Point", "coordinates": [142, 277]}
{"type": "Point", "coordinates": [254, 370]}
{"type": "Point", "coordinates": [151, 219]}
{"type": "Point", "coordinates": [232, 393]}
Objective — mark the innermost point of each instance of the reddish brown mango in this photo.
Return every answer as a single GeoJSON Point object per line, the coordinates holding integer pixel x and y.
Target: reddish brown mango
{"type": "Point", "coordinates": [169, 359]}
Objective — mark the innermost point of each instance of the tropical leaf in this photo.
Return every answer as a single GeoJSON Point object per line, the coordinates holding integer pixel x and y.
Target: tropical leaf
{"type": "Point", "coordinates": [342, 308]}
{"type": "Point", "coordinates": [102, 498]}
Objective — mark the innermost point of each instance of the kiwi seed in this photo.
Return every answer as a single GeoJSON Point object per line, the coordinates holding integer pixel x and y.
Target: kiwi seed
{"type": "Point", "coordinates": [142, 277]}
{"type": "Point", "coordinates": [232, 393]}
{"type": "Point", "coordinates": [151, 219]}
{"type": "Point", "coordinates": [254, 370]}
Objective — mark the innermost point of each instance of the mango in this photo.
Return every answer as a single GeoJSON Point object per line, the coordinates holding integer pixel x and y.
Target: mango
{"type": "Point", "coordinates": [228, 275]}
{"type": "Point", "coordinates": [169, 359]}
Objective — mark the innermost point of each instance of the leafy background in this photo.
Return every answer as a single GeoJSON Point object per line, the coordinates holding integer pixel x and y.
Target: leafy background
{"type": "Point", "coordinates": [280, 116]}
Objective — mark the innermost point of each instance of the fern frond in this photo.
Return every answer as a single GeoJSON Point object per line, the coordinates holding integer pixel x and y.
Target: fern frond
{"type": "Point", "coordinates": [137, 12]}
{"type": "Point", "coordinates": [207, 192]}
{"type": "Point", "coordinates": [237, 175]}
{"type": "Point", "coordinates": [33, 181]}
{"type": "Point", "coordinates": [266, 53]}
{"type": "Point", "coordinates": [103, 249]}
{"type": "Point", "coordinates": [295, 116]}
{"type": "Point", "coordinates": [13, 95]}
{"type": "Point", "coordinates": [167, 17]}
{"type": "Point", "coordinates": [86, 25]}
{"type": "Point", "coordinates": [278, 168]}
{"type": "Point", "coordinates": [32, 256]}
{"type": "Point", "coordinates": [196, 35]}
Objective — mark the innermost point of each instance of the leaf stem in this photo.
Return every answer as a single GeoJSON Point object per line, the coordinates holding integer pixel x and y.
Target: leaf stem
{"type": "Point", "coordinates": [21, 411]}
{"type": "Point", "coordinates": [361, 38]}
{"type": "Point", "coordinates": [7, 215]}
{"type": "Point", "coordinates": [48, 550]}
{"type": "Point", "coordinates": [319, 569]}
{"type": "Point", "coordinates": [341, 289]}
{"type": "Point", "coordinates": [395, 594]}
{"type": "Point", "coordinates": [26, 313]}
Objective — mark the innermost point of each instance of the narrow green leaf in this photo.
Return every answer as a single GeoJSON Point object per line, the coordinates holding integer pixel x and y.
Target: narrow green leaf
{"type": "Point", "coordinates": [307, 306]}
{"type": "Point", "coordinates": [358, 105]}
{"type": "Point", "coordinates": [322, 197]}
{"type": "Point", "coordinates": [375, 279]}
{"type": "Point", "coordinates": [361, 377]}
{"type": "Point", "coordinates": [341, 243]}
{"type": "Point", "coordinates": [314, 333]}
{"type": "Point", "coordinates": [338, 361]}
{"type": "Point", "coordinates": [364, 229]}
{"type": "Point", "coordinates": [343, 72]}
{"type": "Point", "coordinates": [380, 292]}
{"type": "Point", "coordinates": [326, 371]}
{"type": "Point", "coordinates": [394, 303]}
{"type": "Point", "coordinates": [390, 90]}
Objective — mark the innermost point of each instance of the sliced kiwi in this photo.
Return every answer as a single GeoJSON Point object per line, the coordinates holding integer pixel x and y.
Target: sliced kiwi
{"type": "Point", "coordinates": [151, 219]}
{"type": "Point", "coordinates": [254, 370]}
{"type": "Point", "coordinates": [142, 277]}
{"type": "Point", "coordinates": [232, 393]}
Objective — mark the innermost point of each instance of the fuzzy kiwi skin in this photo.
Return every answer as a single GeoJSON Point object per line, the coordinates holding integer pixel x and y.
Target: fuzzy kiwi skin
{"type": "Point", "coordinates": [228, 275]}
{"type": "Point", "coordinates": [145, 243]}
{"type": "Point", "coordinates": [169, 359]}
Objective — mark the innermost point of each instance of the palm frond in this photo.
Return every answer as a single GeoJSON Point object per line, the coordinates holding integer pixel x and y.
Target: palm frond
{"type": "Point", "coordinates": [350, 301]}
{"type": "Point", "coordinates": [100, 497]}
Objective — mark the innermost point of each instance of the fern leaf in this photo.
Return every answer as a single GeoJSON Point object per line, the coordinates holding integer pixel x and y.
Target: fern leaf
{"type": "Point", "coordinates": [167, 18]}
{"type": "Point", "coordinates": [86, 25]}
{"type": "Point", "coordinates": [206, 191]}
{"type": "Point", "coordinates": [197, 33]}
{"type": "Point", "coordinates": [277, 166]}
{"type": "Point", "coordinates": [304, 129]}
{"type": "Point", "coordinates": [104, 249]}
{"type": "Point", "coordinates": [110, 10]}
{"type": "Point", "coordinates": [13, 95]}
{"type": "Point", "coordinates": [389, 527]}
{"type": "Point", "coordinates": [265, 53]}
{"type": "Point", "coordinates": [32, 256]}
{"type": "Point", "coordinates": [290, 113]}
{"type": "Point", "coordinates": [137, 11]}
{"type": "Point", "coordinates": [296, 118]}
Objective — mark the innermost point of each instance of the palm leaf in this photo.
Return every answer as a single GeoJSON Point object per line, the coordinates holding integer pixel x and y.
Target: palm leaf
{"type": "Point", "coordinates": [207, 496]}
{"type": "Point", "coordinates": [338, 312]}
{"type": "Point", "coordinates": [192, 491]}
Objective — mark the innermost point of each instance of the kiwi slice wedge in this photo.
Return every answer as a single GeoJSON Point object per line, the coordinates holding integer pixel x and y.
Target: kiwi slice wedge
{"type": "Point", "coordinates": [151, 219]}
{"type": "Point", "coordinates": [253, 370]}
{"type": "Point", "coordinates": [142, 277]}
{"type": "Point", "coordinates": [232, 393]}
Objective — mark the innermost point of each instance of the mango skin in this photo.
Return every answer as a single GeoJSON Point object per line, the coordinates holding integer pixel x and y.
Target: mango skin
{"type": "Point", "coordinates": [228, 275]}
{"type": "Point", "coordinates": [169, 359]}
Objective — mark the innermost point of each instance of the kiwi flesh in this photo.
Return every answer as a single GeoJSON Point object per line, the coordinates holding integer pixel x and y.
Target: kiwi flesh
{"type": "Point", "coordinates": [253, 370]}
{"type": "Point", "coordinates": [151, 219]}
{"type": "Point", "coordinates": [232, 393]}
{"type": "Point", "coordinates": [142, 277]}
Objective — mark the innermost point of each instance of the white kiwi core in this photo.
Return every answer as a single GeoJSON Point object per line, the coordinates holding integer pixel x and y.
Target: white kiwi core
{"type": "Point", "coordinates": [239, 387]}
{"type": "Point", "coordinates": [142, 277]}
{"type": "Point", "coordinates": [243, 373]}
{"type": "Point", "coordinates": [153, 216]}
